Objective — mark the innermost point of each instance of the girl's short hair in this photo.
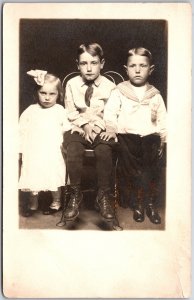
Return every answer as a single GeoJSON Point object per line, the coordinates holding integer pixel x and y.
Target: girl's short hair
{"type": "Point", "coordinates": [93, 49]}
{"type": "Point", "coordinates": [51, 78]}
{"type": "Point", "coordinates": [140, 51]}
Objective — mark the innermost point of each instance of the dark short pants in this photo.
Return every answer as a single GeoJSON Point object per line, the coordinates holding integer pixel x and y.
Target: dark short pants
{"type": "Point", "coordinates": [138, 154]}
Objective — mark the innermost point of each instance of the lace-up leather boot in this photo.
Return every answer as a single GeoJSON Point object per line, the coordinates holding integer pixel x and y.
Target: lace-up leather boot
{"type": "Point", "coordinates": [138, 211]}
{"type": "Point", "coordinates": [103, 204]}
{"type": "Point", "coordinates": [72, 210]}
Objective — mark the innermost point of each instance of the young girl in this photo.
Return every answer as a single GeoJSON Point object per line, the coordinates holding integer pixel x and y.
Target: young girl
{"type": "Point", "coordinates": [136, 111]}
{"type": "Point", "coordinates": [41, 128]}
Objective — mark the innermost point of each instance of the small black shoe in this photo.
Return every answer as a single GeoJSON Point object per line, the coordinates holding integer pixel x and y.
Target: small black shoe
{"type": "Point", "coordinates": [50, 211]}
{"type": "Point", "coordinates": [138, 214]}
{"type": "Point", "coordinates": [53, 210]}
{"type": "Point", "coordinates": [27, 213]}
{"type": "Point", "coordinates": [103, 204]}
{"type": "Point", "coordinates": [54, 207]}
{"type": "Point", "coordinates": [153, 214]}
{"type": "Point", "coordinates": [72, 210]}
{"type": "Point", "coordinates": [46, 212]}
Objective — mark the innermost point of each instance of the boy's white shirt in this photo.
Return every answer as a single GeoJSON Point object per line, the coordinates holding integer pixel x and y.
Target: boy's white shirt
{"type": "Point", "coordinates": [123, 115]}
{"type": "Point", "coordinates": [77, 111]}
{"type": "Point", "coordinates": [139, 91]}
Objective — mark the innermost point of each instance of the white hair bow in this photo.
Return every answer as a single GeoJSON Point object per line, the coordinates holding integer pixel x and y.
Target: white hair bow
{"type": "Point", "coordinates": [39, 76]}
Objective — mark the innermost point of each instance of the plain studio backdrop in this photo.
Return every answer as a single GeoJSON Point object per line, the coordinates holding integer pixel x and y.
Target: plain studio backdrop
{"type": "Point", "coordinates": [51, 45]}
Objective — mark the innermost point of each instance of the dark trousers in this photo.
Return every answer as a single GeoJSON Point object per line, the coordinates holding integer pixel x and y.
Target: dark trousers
{"type": "Point", "coordinates": [75, 146]}
{"type": "Point", "coordinates": [138, 164]}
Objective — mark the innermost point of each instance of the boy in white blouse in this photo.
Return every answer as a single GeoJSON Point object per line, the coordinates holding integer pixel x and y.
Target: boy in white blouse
{"type": "Point", "coordinates": [136, 112]}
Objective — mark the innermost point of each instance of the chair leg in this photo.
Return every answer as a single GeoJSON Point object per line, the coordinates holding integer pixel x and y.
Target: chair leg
{"type": "Point", "coordinates": [62, 222]}
{"type": "Point", "coordinates": [116, 226]}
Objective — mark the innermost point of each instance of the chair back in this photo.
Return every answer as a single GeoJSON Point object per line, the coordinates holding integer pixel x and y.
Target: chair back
{"type": "Point", "coordinates": [115, 77]}
{"type": "Point", "coordinates": [68, 77]}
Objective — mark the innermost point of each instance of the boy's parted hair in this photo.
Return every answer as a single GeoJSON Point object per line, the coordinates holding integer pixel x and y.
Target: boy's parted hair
{"type": "Point", "coordinates": [140, 51]}
{"type": "Point", "coordinates": [51, 78]}
{"type": "Point", "coordinates": [93, 49]}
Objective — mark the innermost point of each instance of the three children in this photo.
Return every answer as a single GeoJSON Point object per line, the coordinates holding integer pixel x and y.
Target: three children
{"type": "Point", "coordinates": [98, 112]}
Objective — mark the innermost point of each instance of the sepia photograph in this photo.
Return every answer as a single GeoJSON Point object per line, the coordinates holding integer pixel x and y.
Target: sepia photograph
{"type": "Point", "coordinates": [95, 165]}
{"type": "Point", "coordinates": [96, 150]}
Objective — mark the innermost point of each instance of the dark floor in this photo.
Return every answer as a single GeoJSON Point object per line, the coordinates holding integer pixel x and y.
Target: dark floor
{"type": "Point", "coordinates": [88, 219]}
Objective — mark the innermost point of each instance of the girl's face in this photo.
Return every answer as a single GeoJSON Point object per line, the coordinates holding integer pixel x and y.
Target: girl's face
{"type": "Point", "coordinates": [89, 66]}
{"type": "Point", "coordinates": [139, 69]}
{"type": "Point", "coordinates": [48, 95]}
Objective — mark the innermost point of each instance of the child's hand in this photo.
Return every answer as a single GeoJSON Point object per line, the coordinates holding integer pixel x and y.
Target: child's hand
{"type": "Point", "coordinates": [88, 133]}
{"type": "Point", "coordinates": [78, 130]}
{"type": "Point", "coordinates": [106, 136]}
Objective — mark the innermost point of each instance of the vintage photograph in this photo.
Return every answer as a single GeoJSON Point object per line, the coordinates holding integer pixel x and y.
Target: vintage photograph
{"type": "Point", "coordinates": [112, 149]}
{"type": "Point", "coordinates": [96, 150]}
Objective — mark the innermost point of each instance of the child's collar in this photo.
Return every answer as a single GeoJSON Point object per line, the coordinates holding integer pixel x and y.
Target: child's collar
{"type": "Point", "coordinates": [97, 81]}
{"type": "Point", "coordinates": [126, 89]}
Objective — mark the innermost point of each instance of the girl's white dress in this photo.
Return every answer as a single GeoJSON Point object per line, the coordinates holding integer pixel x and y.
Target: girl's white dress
{"type": "Point", "coordinates": [41, 136]}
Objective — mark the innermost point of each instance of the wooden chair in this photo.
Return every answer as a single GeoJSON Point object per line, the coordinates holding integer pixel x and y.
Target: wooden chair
{"type": "Point", "coordinates": [90, 154]}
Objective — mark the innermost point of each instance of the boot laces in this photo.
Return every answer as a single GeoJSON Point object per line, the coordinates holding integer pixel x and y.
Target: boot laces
{"type": "Point", "coordinates": [104, 201]}
{"type": "Point", "coordinates": [75, 198]}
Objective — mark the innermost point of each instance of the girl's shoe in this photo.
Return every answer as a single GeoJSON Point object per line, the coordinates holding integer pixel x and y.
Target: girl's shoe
{"type": "Point", "coordinates": [27, 213]}
{"type": "Point", "coordinates": [47, 212]}
{"type": "Point", "coordinates": [53, 208]}
{"type": "Point", "coordinates": [56, 204]}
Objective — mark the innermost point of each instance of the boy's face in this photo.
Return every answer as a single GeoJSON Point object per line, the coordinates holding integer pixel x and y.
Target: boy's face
{"type": "Point", "coordinates": [139, 69]}
{"type": "Point", "coordinates": [89, 66]}
{"type": "Point", "coordinates": [48, 95]}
